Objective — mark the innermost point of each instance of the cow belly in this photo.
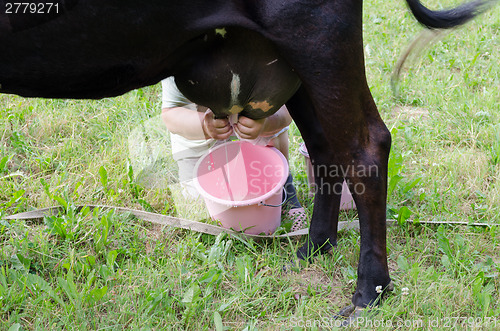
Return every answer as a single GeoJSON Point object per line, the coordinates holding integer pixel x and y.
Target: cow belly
{"type": "Point", "coordinates": [232, 70]}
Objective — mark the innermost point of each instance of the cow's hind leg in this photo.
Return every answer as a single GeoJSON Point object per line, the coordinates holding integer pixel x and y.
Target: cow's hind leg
{"type": "Point", "coordinates": [355, 149]}
{"type": "Point", "coordinates": [367, 180]}
{"type": "Point", "coordinates": [344, 134]}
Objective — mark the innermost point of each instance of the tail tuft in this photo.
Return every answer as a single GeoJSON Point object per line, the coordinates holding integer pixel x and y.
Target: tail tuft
{"type": "Point", "coordinates": [448, 18]}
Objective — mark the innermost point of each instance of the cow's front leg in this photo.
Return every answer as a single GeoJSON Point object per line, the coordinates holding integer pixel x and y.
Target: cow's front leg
{"type": "Point", "coordinates": [323, 228]}
{"type": "Point", "coordinates": [328, 188]}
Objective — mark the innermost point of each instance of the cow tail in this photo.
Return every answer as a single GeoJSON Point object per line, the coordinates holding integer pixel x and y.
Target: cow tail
{"type": "Point", "coordinates": [448, 18]}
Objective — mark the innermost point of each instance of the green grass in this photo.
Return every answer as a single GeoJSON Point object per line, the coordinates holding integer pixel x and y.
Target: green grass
{"type": "Point", "coordinates": [101, 270]}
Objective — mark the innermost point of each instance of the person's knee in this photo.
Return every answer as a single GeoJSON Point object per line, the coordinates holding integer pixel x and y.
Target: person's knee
{"type": "Point", "coordinates": [281, 143]}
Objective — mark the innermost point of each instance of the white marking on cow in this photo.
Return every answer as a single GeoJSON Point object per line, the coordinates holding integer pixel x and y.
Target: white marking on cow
{"type": "Point", "coordinates": [273, 61]}
{"type": "Point", "coordinates": [235, 88]}
{"type": "Point", "coordinates": [221, 31]}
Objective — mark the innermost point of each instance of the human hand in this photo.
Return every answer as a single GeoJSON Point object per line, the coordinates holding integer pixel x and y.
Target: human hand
{"type": "Point", "coordinates": [219, 129]}
{"type": "Point", "coordinates": [247, 128]}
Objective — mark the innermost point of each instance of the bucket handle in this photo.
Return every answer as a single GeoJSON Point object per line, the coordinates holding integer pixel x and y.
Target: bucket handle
{"type": "Point", "coordinates": [281, 204]}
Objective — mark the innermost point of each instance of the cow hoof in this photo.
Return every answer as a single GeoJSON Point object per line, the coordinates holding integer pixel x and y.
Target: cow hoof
{"type": "Point", "coordinates": [350, 315]}
{"type": "Point", "coordinates": [354, 317]}
{"type": "Point", "coordinates": [303, 257]}
{"type": "Point", "coordinates": [345, 312]}
{"type": "Point", "coordinates": [308, 250]}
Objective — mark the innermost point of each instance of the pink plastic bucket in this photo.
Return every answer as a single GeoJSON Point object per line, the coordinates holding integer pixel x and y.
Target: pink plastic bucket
{"type": "Point", "coordinates": [242, 186]}
{"type": "Point", "coordinates": [346, 200]}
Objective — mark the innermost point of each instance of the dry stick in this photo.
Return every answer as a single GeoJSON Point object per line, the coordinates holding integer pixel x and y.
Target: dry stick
{"type": "Point", "coordinates": [177, 222]}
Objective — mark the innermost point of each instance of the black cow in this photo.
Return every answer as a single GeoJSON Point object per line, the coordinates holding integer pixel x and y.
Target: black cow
{"type": "Point", "coordinates": [232, 56]}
